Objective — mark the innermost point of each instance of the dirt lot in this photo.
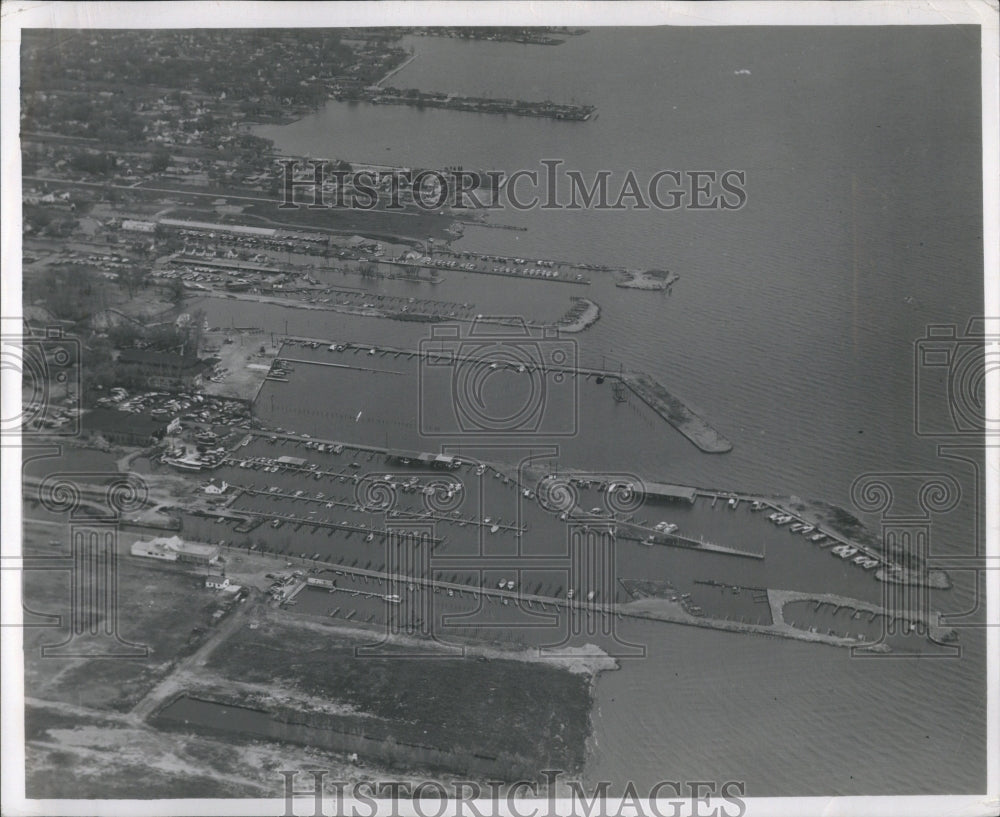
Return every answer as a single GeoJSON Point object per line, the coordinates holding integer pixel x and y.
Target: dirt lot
{"type": "Point", "coordinates": [244, 348]}
{"type": "Point", "coordinates": [74, 753]}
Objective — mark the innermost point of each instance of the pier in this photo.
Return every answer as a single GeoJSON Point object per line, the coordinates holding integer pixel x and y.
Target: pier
{"type": "Point", "coordinates": [648, 608]}
{"type": "Point", "coordinates": [675, 412]}
{"type": "Point", "coordinates": [396, 70]}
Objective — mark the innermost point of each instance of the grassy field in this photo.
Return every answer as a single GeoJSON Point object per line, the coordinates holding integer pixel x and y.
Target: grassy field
{"type": "Point", "coordinates": [168, 611]}
{"type": "Point", "coordinates": [531, 711]}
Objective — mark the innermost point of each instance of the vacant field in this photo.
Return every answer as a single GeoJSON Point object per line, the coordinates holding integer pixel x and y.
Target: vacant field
{"type": "Point", "coordinates": [168, 611]}
{"type": "Point", "coordinates": [530, 711]}
{"type": "Point", "coordinates": [75, 754]}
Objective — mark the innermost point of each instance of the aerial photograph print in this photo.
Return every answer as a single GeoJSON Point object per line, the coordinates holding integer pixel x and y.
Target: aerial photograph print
{"type": "Point", "coordinates": [537, 409]}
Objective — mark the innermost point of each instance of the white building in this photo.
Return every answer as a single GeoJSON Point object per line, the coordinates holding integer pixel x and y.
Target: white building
{"type": "Point", "coordinates": [154, 550]}
{"type": "Point", "coordinates": [175, 549]}
{"type": "Point", "coordinates": [216, 582]}
{"type": "Point", "coordinates": [138, 226]}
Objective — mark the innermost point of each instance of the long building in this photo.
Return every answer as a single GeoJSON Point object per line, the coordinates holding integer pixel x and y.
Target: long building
{"type": "Point", "coordinates": [175, 549]}
{"type": "Point", "coordinates": [663, 490]}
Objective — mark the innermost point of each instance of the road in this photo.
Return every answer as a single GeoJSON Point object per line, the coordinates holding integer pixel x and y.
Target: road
{"type": "Point", "coordinates": [175, 682]}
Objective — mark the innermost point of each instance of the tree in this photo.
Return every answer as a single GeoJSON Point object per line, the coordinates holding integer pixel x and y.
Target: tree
{"type": "Point", "coordinates": [124, 334]}
{"type": "Point", "coordinates": [133, 279]}
{"type": "Point", "coordinates": [175, 290]}
{"type": "Point", "coordinates": [160, 160]}
{"type": "Point", "coordinates": [97, 164]}
{"type": "Point", "coordinates": [195, 330]}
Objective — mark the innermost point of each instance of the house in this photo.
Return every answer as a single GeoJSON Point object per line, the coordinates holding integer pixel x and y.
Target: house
{"type": "Point", "coordinates": [212, 488]}
{"type": "Point", "coordinates": [123, 427]}
{"type": "Point", "coordinates": [162, 369]}
{"type": "Point", "coordinates": [216, 582]}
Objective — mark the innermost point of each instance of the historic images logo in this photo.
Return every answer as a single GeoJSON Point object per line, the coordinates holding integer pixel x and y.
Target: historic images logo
{"type": "Point", "coordinates": [323, 184]}
{"type": "Point", "coordinates": [552, 794]}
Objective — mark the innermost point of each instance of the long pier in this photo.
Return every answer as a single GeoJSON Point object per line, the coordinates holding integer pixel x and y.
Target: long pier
{"type": "Point", "coordinates": [650, 609]}
{"type": "Point", "coordinates": [396, 70]}
{"type": "Point", "coordinates": [521, 274]}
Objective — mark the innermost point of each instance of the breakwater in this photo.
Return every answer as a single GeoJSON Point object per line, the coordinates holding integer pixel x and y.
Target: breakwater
{"type": "Point", "coordinates": [472, 104]}
{"type": "Point", "coordinates": [675, 412]}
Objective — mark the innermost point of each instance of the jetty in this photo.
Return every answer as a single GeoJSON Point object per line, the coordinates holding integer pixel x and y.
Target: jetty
{"type": "Point", "coordinates": [547, 109]}
{"type": "Point", "coordinates": [675, 412]}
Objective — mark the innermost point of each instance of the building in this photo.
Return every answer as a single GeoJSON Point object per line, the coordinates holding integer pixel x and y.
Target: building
{"type": "Point", "coordinates": [296, 462]}
{"type": "Point", "coordinates": [216, 582]}
{"type": "Point", "coordinates": [152, 550]}
{"type": "Point", "coordinates": [175, 549]}
{"type": "Point", "coordinates": [123, 427]}
{"type": "Point", "coordinates": [668, 492]}
{"type": "Point", "coordinates": [138, 226]}
{"type": "Point", "coordinates": [210, 227]}
{"type": "Point", "coordinates": [212, 488]}
{"type": "Point", "coordinates": [162, 369]}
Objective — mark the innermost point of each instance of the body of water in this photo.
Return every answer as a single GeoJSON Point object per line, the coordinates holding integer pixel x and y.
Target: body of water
{"type": "Point", "coordinates": [792, 328]}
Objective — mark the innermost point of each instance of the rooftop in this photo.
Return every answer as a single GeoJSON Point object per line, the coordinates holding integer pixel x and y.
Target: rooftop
{"type": "Point", "coordinates": [665, 489]}
{"type": "Point", "coordinates": [175, 543]}
{"type": "Point", "coordinates": [221, 228]}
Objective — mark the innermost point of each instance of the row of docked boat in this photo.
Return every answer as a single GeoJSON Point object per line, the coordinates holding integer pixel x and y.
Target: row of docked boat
{"type": "Point", "coordinates": [841, 549]}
